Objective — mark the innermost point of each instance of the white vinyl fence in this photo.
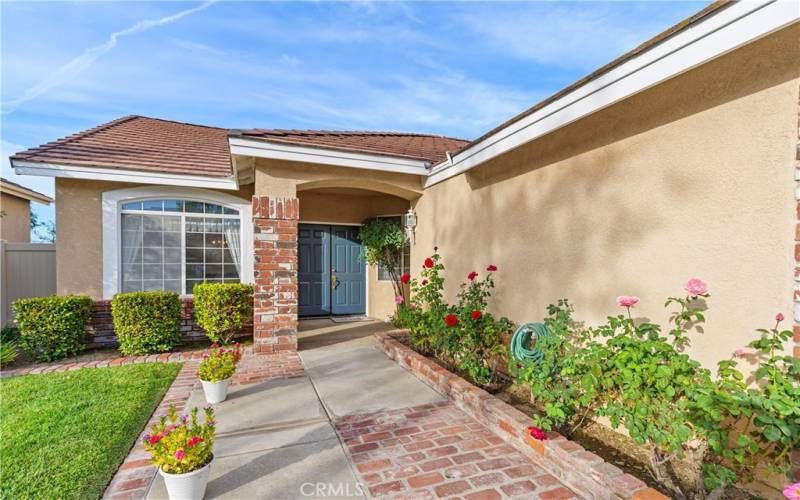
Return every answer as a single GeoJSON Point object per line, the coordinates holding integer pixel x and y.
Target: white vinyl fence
{"type": "Point", "coordinates": [26, 270]}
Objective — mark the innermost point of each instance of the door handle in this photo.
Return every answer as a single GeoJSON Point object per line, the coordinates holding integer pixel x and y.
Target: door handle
{"type": "Point", "coordinates": [333, 282]}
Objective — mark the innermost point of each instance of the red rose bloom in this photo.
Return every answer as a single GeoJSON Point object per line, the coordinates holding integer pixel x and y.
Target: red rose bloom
{"type": "Point", "coordinates": [476, 315]}
{"type": "Point", "coordinates": [471, 276]}
{"type": "Point", "coordinates": [491, 268]}
{"type": "Point", "coordinates": [424, 282]}
{"type": "Point", "coordinates": [451, 320]}
{"type": "Point", "coordinates": [435, 249]}
{"type": "Point", "coordinates": [537, 433]}
{"type": "Point", "coordinates": [428, 263]}
{"type": "Point", "coordinates": [405, 278]}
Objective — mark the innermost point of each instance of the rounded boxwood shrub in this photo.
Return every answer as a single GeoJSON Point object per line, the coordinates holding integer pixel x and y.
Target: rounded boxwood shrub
{"type": "Point", "coordinates": [146, 322]}
{"type": "Point", "coordinates": [52, 328]}
{"type": "Point", "coordinates": [223, 309]}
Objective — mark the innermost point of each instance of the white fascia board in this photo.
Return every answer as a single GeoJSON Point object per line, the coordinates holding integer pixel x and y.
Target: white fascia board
{"type": "Point", "coordinates": [734, 26]}
{"type": "Point", "coordinates": [121, 175]}
{"type": "Point", "coordinates": [272, 150]}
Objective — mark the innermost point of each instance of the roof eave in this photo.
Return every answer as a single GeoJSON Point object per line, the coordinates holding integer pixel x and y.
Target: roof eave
{"type": "Point", "coordinates": [278, 150]}
{"type": "Point", "coordinates": [108, 173]}
{"type": "Point", "coordinates": [697, 43]}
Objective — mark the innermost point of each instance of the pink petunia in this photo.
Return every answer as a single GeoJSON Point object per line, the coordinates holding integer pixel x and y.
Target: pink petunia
{"type": "Point", "coordinates": [792, 491]}
{"type": "Point", "coordinates": [179, 454]}
{"type": "Point", "coordinates": [627, 300]}
{"type": "Point", "coordinates": [695, 287]}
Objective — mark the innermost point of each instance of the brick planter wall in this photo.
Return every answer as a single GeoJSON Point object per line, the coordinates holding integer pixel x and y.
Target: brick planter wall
{"type": "Point", "coordinates": [100, 332]}
{"type": "Point", "coordinates": [583, 471]}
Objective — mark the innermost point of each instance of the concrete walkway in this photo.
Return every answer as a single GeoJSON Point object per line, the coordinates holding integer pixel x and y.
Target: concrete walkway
{"type": "Point", "coordinates": [276, 439]}
{"type": "Point", "coordinates": [396, 438]}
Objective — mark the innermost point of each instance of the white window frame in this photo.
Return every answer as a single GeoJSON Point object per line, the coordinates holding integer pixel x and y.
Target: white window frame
{"type": "Point", "coordinates": [112, 226]}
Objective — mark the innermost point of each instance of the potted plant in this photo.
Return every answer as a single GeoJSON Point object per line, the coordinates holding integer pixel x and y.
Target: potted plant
{"type": "Point", "coordinates": [216, 370]}
{"type": "Point", "coordinates": [182, 449]}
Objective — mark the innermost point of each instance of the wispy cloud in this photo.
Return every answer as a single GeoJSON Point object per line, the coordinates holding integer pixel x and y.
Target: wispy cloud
{"type": "Point", "coordinates": [77, 65]}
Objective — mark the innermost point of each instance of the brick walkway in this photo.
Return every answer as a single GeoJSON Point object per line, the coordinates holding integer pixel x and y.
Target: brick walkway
{"type": "Point", "coordinates": [436, 450]}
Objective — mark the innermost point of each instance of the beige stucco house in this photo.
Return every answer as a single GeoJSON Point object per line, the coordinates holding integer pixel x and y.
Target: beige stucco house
{"type": "Point", "coordinates": [677, 160]}
{"type": "Point", "coordinates": [15, 207]}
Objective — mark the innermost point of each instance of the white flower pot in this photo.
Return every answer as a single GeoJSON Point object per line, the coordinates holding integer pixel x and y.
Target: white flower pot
{"type": "Point", "coordinates": [216, 392]}
{"type": "Point", "coordinates": [189, 486]}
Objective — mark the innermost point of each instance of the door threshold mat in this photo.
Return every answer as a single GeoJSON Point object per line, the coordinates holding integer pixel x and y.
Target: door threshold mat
{"type": "Point", "coordinates": [350, 319]}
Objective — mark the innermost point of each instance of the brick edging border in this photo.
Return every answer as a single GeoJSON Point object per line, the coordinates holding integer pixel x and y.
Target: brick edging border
{"type": "Point", "coordinates": [132, 479]}
{"type": "Point", "coordinates": [167, 357]}
{"type": "Point", "coordinates": [583, 471]}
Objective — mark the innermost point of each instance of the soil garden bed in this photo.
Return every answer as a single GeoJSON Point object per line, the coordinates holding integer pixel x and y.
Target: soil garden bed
{"type": "Point", "coordinates": [609, 453]}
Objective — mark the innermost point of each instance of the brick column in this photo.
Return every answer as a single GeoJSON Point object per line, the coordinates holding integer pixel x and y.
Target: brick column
{"type": "Point", "coordinates": [275, 266]}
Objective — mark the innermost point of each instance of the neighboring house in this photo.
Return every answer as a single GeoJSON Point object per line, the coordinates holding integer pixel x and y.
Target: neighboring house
{"type": "Point", "coordinates": [15, 207]}
{"type": "Point", "coordinates": [676, 160]}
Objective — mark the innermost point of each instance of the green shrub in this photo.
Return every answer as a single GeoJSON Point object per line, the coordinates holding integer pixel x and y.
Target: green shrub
{"type": "Point", "coordinates": [52, 328]}
{"type": "Point", "coordinates": [223, 309]}
{"type": "Point", "coordinates": [146, 322]}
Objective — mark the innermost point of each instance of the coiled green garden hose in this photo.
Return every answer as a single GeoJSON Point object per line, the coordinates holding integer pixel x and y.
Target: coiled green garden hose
{"type": "Point", "coordinates": [521, 342]}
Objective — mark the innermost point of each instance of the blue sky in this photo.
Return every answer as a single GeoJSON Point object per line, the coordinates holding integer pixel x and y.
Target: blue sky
{"type": "Point", "coordinates": [447, 68]}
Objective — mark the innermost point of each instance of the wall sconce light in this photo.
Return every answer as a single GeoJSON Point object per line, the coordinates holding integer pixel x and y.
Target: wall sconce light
{"type": "Point", "coordinates": [410, 223]}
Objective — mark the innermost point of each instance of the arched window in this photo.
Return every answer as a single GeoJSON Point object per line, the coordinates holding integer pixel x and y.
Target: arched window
{"type": "Point", "coordinates": [174, 244]}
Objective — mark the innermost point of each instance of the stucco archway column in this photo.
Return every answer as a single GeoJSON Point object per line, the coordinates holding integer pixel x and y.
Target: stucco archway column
{"type": "Point", "coordinates": [275, 273]}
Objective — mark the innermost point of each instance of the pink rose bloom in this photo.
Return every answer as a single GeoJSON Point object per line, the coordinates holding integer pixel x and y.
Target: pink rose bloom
{"type": "Point", "coordinates": [695, 287]}
{"type": "Point", "coordinates": [412, 306]}
{"type": "Point", "coordinates": [537, 433]}
{"type": "Point", "coordinates": [399, 300]}
{"type": "Point", "coordinates": [779, 317]}
{"type": "Point", "coordinates": [792, 491]}
{"type": "Point", "coordinates": [740, 352]}
{"type": "Point", "coordinates": [179, 455]}
{"type": "Point", "coordinates": [627, 300]}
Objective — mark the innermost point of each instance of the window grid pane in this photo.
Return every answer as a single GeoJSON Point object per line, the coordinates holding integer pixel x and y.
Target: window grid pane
{"type": "Point", "coordinates": [165, 246]}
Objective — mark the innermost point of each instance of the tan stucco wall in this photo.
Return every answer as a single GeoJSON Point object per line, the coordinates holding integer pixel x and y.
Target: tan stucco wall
{"type": "Point", "coordinates": [79, 246]}
{"type": "Point", "coordinates": [693, 178]}
{"type": "Point", "coordinates": [15, 225]}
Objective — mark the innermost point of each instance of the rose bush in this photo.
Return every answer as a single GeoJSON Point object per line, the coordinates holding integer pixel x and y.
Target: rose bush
{"type": "Point", "coordinates": [463, 336]}
{"type": "Point", "coordinates": [628, 371]}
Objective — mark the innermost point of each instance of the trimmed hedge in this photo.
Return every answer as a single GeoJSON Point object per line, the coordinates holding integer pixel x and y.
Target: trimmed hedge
{"type": "Point", "coordinates": [223, 309]}
{"type": "Point", "coordinates": [146, 322]}
{"type": "Point", "coordinates": [52, 328]}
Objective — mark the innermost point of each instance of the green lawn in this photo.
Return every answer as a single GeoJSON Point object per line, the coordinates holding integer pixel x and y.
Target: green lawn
{"type": "Point", "coordinates": [63, 435]}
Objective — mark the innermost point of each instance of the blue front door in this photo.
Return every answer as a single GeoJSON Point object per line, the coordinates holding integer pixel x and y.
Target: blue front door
{"type": "Point", "coordinates": [348, 272]}
{"type": "Point", "coordinates": [331, 277]}
{"type": "Point", "coordinates": [314, 270]}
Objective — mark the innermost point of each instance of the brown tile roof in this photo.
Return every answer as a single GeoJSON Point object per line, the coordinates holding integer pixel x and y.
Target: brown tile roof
{"type": "Point", "coordinates": [708, 10]}
{"type": "Point", "coordinates": [141, 143]}
{"type": "Point", "coordinates": [430, 148]}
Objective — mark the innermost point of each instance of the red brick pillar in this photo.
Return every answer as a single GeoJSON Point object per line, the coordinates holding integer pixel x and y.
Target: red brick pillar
{"type": "Point", "coordinates": [275, 266]}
